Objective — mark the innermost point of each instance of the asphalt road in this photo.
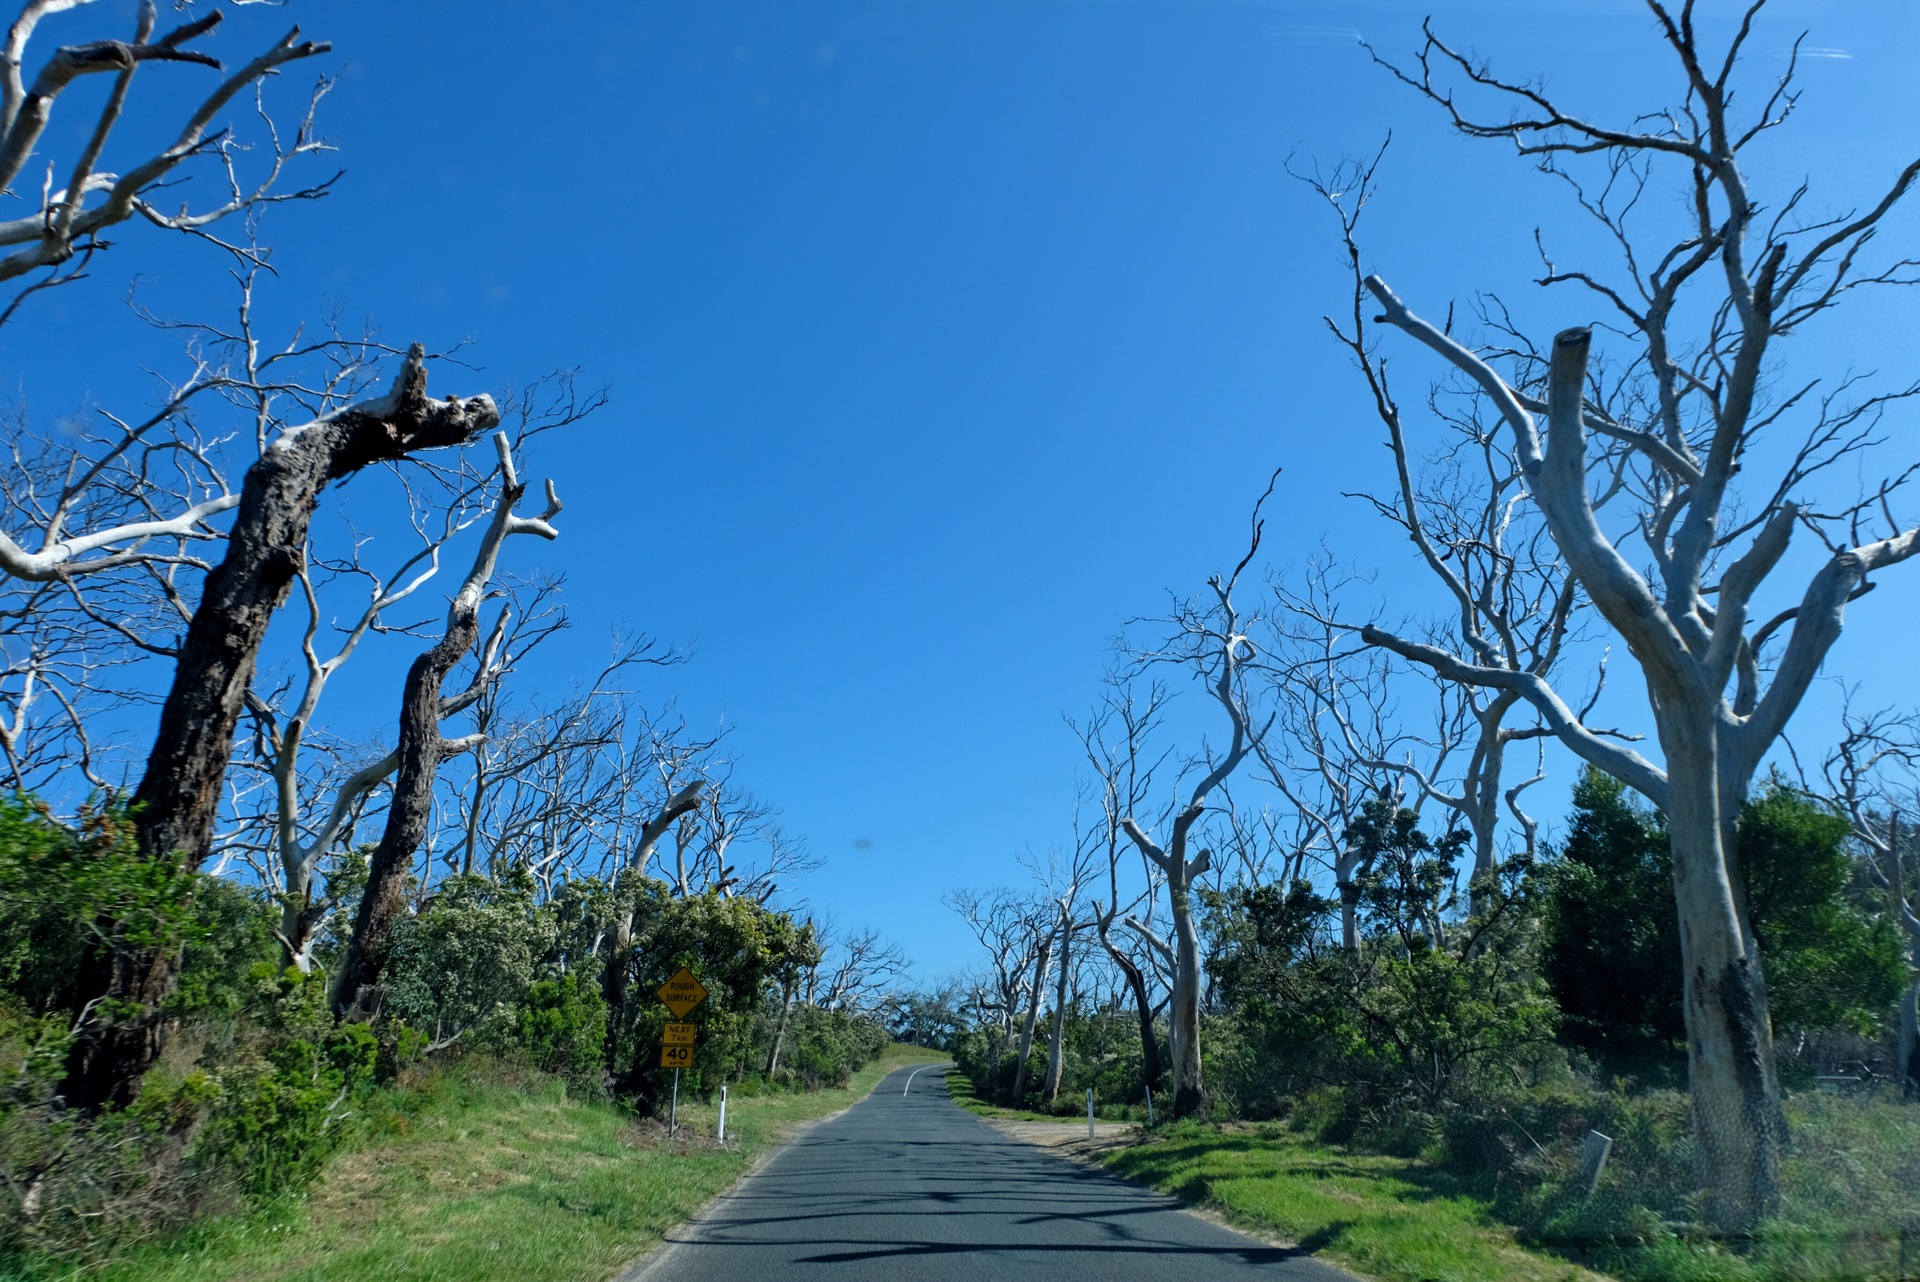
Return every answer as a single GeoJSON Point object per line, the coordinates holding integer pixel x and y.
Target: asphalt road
{"type": "Point", "coordinates": [910, 1186]}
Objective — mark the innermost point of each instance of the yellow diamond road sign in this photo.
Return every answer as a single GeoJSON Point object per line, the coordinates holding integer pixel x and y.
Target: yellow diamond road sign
{"type": "Point", "coordinates": [682, 993]}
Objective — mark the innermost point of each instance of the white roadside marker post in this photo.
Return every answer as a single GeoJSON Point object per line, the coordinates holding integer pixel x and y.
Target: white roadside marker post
{"type": "Point", "coordinates": [1089, 1112]}
{"type": "Point", "coordinates": [723, 1113]}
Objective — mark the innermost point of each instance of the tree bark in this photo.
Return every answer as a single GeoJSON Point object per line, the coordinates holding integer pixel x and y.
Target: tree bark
{"type": "Point", "coordinates": [421, 750]}
{"type": "Point", "coordinates": [1033, 1017]}
{"type": "Point", "coordinates": [780, 1029]}
{"type": "Point", "coordinates": [1137, 983]}
{"type": "Point", "coordinates": [1184, 1012]}
{"type": "Point", "coordinates": [179, 794]}
{"type": "Point", "coordinates": [1735, 1096]}
{"type": "Point", "coordinates": [1057, 1055]}
{"type": "Point", "coordinates": [1907, 1048]}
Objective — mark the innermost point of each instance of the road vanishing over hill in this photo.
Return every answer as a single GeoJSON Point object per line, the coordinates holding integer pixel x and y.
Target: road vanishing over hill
{"type": "Point", "coordinates": [907, 1186]}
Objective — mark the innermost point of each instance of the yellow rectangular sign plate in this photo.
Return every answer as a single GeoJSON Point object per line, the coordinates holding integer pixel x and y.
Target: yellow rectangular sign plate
{"type": "Point", "coordinates": [678, 1035]}
{"type": "Point", "coordinates": [676, 1057]}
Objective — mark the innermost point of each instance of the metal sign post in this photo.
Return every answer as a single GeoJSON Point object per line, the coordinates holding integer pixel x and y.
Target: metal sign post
{"type": "Point", "coordinates": [681, 994]}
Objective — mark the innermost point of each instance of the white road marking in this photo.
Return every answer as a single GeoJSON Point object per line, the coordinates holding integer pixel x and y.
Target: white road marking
{"type": "Point", "coordinates": [910, 1076]}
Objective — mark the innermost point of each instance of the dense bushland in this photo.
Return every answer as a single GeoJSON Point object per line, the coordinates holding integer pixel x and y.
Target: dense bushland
{"type": "Point", "coordinates": [1493, 1042]}
{"type": "Point", "coordinates": [261, 1083]}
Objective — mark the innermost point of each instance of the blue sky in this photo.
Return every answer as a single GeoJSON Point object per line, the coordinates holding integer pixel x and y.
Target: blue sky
{"type": "Point", "coordinates": [941, 337]}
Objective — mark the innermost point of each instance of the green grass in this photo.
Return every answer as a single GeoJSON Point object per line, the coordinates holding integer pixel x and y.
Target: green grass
{"type": "Point", "coordinates": [1849, 1184]}
{"type": "Point", "coordinates": [1848, 1181]}
{"type": "Point", "coordinates": [1385, 1217]}
{"type": "Point", "coordinates": [961, 1086]}
{"type": "Point", "coordinates": [481, 1176]}
{"type": "Point", "coordinates": [1389, 1218]}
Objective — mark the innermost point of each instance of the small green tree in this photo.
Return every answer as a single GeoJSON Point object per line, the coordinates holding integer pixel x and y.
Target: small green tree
{"type": "Point", "coordinates": [1611, 953]}
{"type": "Point", "coordinates": [734, 945]}
{"type": "Point", "coordinates": [466, 960]}
{"type": "Point", "coordinates": [1611, 944]}
{"type": "Point", "coordinates": [1829, 963]}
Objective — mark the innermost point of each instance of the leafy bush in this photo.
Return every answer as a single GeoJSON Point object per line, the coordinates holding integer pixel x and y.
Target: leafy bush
{"type": "Point", "coordinates": [826, 1047]}
{"type": "Point", "coordinates": [562, 1026]}
{"type": "Point", "coordinates": [1422, 1017]}
{"type": "Point", "coordinates": [736, 946]}
{"type": "Point", "coordinates": [461, 966]}
{"type": "Point", "coordinates": [259, 1114]}
{"type": "Point", "coordinates": [1612, 942]}
{"type": "Point", "coordinates": [70, 897]}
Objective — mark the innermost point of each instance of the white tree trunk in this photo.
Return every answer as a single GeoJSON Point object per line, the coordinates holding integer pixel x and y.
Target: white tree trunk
{"type": "Point", "coordinates": [1184, 1012]}
{"type": "Point", "coordinates": [1057, 1056]}
{"type": "Point", "coordinates": [1736, 1097]}
{"type": "Point", "coordinates": [1032, 1018]}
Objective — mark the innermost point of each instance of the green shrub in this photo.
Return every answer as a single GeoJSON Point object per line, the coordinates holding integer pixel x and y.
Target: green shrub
{"type": "Point", "coordinates": [826, 1047]}
{"type": "Point", "coordinates": [736, 946]}
{"type": "Point", "coordinates": [66, 892]}
{"type": "Point", "coordinates": [562, 1026]}
{"type": "Point", "coordinates": [461, 966]}
{"type": "Point", "coordinates": [259, 1114]}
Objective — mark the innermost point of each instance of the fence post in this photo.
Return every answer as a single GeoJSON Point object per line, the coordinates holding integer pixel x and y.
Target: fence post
{"type": "Point", "coordinates": [1593, 1158]}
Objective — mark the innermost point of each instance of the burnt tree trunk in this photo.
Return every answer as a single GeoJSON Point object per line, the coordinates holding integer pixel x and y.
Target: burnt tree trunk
{"type": "Point", "coordinates": [421, 749]}
{"type": "Point", "coordinates": [179, 795]}
{"type": "Point", "coordinates": [1143, 1004]}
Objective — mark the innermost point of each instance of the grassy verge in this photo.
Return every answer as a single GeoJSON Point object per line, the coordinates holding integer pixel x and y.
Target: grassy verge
{"type": "Point", "coordinates": [481, 1176]}
{"type": "Point", "coordinates": [961, 1087]}
{"type": "Point", "coordinates": [1390, 1218]}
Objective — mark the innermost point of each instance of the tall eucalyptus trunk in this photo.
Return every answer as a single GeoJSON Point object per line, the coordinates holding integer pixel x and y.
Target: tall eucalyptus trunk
{"type": "Point", "coordinates": [1036, 991]}
{"type": "Point", "coordinates": [179, 793]}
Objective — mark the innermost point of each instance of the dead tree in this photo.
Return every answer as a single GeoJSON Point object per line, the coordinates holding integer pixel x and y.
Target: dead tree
{"type": "Point", "coordinates": [1210, 640]}
{"type": "Point", "coordinates": [179, 795]}
{"type": "Point", "coordinates": [1114, 740]}
{"type": "Point", "coordinates": [861, 967]}
{"type": "Point", "coordinates": [1859, 775]}
{"type": "Point", "coordinates": [550, 784]}
{"type": "Point", "coordinates": [64, 232]}
{"type": "Point", "coordinates": [1063, 881]}
{"type": "Point", "coordinates": [1037, 920]}
{"type": "Point", "coordinates": [1706, 400]}
{"type": "Point", "coordinates": [421, 748]}
{"type": "Point", "coordinates": [1508, 599]}
{"type": "Point", "coordinates": [1337, 744]}
{"type": "Point", "coordinates": [112, 523]}
{"type": "Point", "coordinates": [997, 921]}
